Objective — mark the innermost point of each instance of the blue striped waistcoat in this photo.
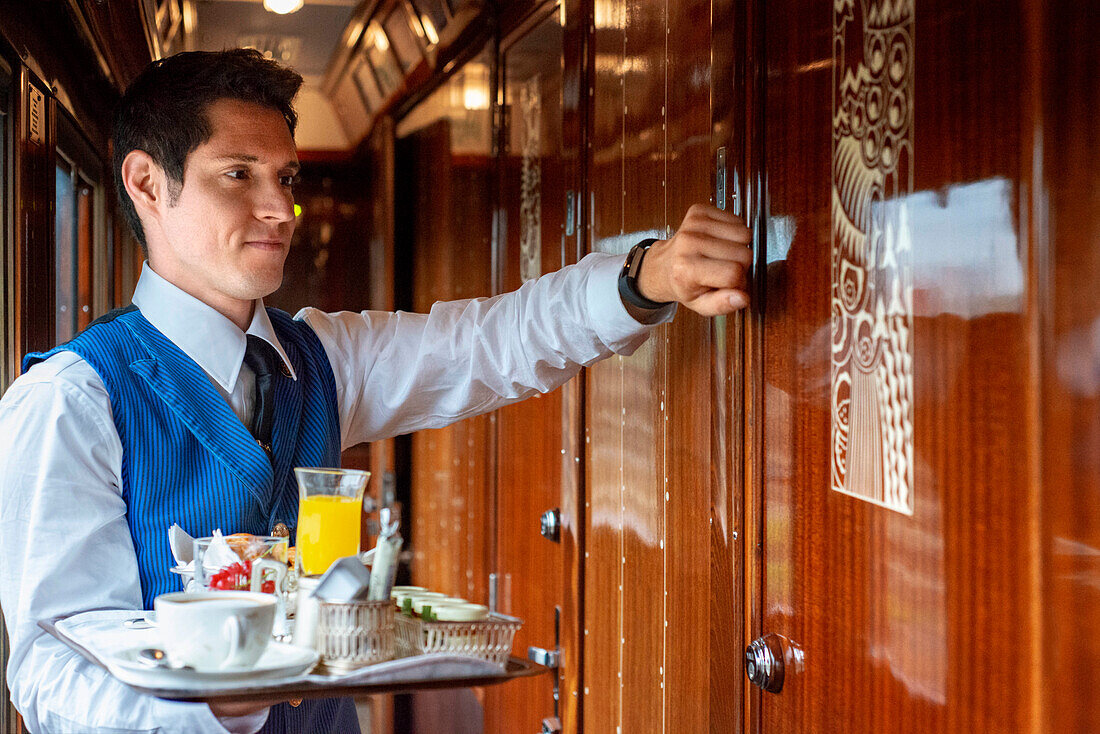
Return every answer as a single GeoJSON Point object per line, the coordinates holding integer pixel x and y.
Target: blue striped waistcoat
{"type": "Point", "coordinates": [186, 456]}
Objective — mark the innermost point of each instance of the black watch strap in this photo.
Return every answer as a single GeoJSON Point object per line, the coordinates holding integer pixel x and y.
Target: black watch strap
{"type": "Point", "coordinates": [628, 279]}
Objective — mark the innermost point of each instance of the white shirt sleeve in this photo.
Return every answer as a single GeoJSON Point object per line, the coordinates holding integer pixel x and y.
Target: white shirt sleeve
{"type": "Point", "coordinates": [65, 547]}
{"type": "Point", "coordinates": [402, 372]}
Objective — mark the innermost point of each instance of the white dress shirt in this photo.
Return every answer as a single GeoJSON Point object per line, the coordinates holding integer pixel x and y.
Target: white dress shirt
{"type": "Point", "coordinates": [65, 545]}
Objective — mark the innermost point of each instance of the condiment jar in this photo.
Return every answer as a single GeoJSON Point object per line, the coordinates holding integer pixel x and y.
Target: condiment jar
{"type": "Point", "coordinates": [306, 616]}
{"type": "Point", "coordinates": [460, 612]}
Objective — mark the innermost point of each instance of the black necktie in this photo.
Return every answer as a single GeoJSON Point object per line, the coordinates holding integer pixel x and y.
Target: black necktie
{"type": "Point", "coordinates": [261, 359]}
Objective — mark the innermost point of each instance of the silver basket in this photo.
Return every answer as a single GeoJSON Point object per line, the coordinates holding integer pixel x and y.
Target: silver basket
{"type": "Point", "coordinates": [353, 634]}
{"type": "Point", "coordinates": [489, 639]}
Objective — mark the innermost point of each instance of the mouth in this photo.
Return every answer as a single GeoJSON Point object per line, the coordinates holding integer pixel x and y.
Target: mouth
{"type": "Point", "coordinates": [269, 245]}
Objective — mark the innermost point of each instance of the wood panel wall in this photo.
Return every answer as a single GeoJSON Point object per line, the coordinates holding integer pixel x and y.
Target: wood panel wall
{"type": "Point", "coordinates": [535, 439]}
{"type": "Point", "coordinates": [1064, 91]}
{"type": "Point", "coordinates": [451, 519]}
{"type": "Point", "coordinates": [660, 650]}
{"type": "Point", "coordinates": [971, 614]}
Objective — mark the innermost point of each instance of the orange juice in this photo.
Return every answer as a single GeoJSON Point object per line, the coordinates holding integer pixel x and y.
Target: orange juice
{"type": "Point", "coordinates": [328, 529]}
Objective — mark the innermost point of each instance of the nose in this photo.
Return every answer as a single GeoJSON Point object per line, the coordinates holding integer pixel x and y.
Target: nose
{"type": "Point", "coordinates": [274, 202]}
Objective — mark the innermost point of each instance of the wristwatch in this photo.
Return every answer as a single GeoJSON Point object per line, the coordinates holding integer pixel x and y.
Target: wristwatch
{"type": "Point", "coordinates": [628, 279]}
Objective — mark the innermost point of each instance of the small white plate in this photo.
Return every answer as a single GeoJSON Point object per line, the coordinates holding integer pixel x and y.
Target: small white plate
{"type": "Point", "coordinates": [278, 661]}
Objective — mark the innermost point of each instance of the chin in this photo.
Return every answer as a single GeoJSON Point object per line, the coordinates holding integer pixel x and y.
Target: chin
{"type": "Point", "coordinates": [258, 285]}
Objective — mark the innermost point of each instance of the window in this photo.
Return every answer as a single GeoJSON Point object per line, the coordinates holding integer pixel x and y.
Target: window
{"type": "Point", "coordinates": [81, 268]}
{"type": "Point", "coordinates": [7, 310]}
{"type": "Point", "coordinates": [7, 327]}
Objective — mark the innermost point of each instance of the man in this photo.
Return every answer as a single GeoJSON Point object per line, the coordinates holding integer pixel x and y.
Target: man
{"type": "Point", "coordinates": [150, 416]}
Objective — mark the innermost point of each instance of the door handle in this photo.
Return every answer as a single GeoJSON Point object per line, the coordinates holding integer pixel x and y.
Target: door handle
{"type": "Point", "coordinates": [544, 657]}
{"type": "Point", "coordinates": [550, 525]}
{"type": "Point", "coordinates": [764, 662]}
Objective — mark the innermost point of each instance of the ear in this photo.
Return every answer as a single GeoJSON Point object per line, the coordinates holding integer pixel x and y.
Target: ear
{"type": "Point", "coordinates": [145, 183]}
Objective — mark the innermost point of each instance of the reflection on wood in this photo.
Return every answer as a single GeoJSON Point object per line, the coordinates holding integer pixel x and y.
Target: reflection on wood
{"type": "Point", "coordinates": [650, 571]}
{"type": "Point", "coordinates": [532, 436]}
{"type": "Point", "coordinates": [450, 466]}
{"type": "Point", "coordinates": [1066, 92]}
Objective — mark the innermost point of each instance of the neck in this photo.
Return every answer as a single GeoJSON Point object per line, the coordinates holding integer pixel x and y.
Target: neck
{"type": "Point", "coordinates": [236, 310]}
{"type": "Point", "coordinates": [239, 312]}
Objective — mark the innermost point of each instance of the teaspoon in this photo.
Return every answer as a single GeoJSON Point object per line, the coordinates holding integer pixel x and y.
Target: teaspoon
{"type": "Point", "coordinates": [156, 658]}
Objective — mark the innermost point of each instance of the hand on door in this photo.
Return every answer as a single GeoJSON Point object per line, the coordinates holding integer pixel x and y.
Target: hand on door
{"type": "Point", "coordinates": [704, 265]}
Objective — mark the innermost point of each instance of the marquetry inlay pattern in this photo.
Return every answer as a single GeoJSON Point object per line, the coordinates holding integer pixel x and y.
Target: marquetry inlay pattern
{"type": "Point", "coordinates": [872, 281]}
{"type": "Point", "coordinates": [529, 104]}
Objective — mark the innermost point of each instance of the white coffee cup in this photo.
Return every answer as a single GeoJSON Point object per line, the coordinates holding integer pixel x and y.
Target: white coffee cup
{"type": "Point", "coordinates": [215, 630]}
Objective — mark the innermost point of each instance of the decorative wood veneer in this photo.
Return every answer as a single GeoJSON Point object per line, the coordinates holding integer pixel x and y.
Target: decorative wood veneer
{"type": "Point", "coordinates": [533, 437]}
{"type": "Point", "coordinates": [1064, 89]}
{"type": "Point", "coordinates": [925, 623]}
{"type": "Point", "coordinates": [659, 653]}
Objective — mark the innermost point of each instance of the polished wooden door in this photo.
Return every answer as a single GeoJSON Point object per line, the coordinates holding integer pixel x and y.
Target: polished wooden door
{"type": "Point", "coordinates": [661, 617]}
{"type": "Point", "coordinates": [1064, 91]}
{"type": "Point", "coordinates": [444, 183]}
{"type": "Point", "coordinates": [892, 395]}
{"type": "Point", "coordinates": [536, 455]}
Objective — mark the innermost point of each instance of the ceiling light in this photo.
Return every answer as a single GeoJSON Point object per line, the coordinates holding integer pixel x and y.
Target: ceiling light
{"type": "Point", "coordinates": [283, 7]}
{"type": "Point", "coordinates": [429, 29]}
{"type": "Point", "coordinates": [475, 86]}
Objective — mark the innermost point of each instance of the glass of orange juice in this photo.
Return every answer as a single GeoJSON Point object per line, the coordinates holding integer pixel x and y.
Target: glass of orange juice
{"type": "Point", "coordinates": [330, 512]}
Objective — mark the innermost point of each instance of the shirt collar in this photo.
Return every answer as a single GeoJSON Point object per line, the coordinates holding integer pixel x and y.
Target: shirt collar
{"type": "Point", "coordinates": [203, 334]}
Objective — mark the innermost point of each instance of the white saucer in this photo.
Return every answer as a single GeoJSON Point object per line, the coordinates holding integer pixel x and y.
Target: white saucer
{"type": "Point", "coordinates": [278, 661]}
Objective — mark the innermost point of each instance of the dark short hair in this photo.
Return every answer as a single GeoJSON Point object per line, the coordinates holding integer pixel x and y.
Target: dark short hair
{"type": "Point", "coordinates": [164, 111]}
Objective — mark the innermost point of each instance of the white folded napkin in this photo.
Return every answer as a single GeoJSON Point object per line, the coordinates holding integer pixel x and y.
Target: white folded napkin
{"type": "Point", "coordinates": [182, 545]}
{"type": "Point", "coordinates": [218, 555]}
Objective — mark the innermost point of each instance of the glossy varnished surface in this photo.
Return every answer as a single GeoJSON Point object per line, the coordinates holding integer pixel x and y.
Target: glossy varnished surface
{"type": "Point", "coordinates": [623, 522]}
{"type": "Point", "coordinates": [657, 648]}
{"type": "Point", "coordinates": [531, 437]}
{"type": "Point", "coordinates": [450, 466]}
{"type": "Point", "coordinates": [923, 622]}
{"type": "Point", "coordinates": [1067, 268]}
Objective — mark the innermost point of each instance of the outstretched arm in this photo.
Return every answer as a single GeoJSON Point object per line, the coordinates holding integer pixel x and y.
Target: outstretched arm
{"type": "Point", "coordinates": [401, 372]}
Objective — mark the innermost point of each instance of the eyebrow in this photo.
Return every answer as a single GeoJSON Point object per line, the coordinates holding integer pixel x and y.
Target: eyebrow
{"type": "Point", "coordinates": [245, 158]}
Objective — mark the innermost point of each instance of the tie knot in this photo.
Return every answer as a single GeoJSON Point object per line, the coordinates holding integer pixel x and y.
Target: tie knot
{"type": "Point", "coordinates": [260, 356]}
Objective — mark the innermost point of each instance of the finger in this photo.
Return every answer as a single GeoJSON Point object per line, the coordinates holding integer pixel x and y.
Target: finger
{"type": "Point", "coordinates": [709, 211]}
{"type": "Point", "coordinates": [717, 248]}
{"type": "Point", "coordinates": [727, 231]}
{"type": "Point", "coordinates": [718, 302]}
{"type": "Point", "coordinates": [712, 273]}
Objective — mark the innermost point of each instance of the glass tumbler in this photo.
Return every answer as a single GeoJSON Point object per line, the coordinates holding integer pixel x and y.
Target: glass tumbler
{"type": "Point", "coordinates": [330, 513]}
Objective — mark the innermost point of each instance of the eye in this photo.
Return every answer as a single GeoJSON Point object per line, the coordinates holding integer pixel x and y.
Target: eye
{"type": "Point", "coordinates": [238, 174]}
{"type": "Point", "coordinates": [289, 180]}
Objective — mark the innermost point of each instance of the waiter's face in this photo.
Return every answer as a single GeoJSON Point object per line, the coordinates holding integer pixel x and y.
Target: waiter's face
{"type": "Point", "coordinates": [228, 234]}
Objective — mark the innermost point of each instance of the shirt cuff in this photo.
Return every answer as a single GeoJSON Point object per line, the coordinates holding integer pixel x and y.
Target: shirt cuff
{"type": "Point", "coordinates": [615, 320]}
